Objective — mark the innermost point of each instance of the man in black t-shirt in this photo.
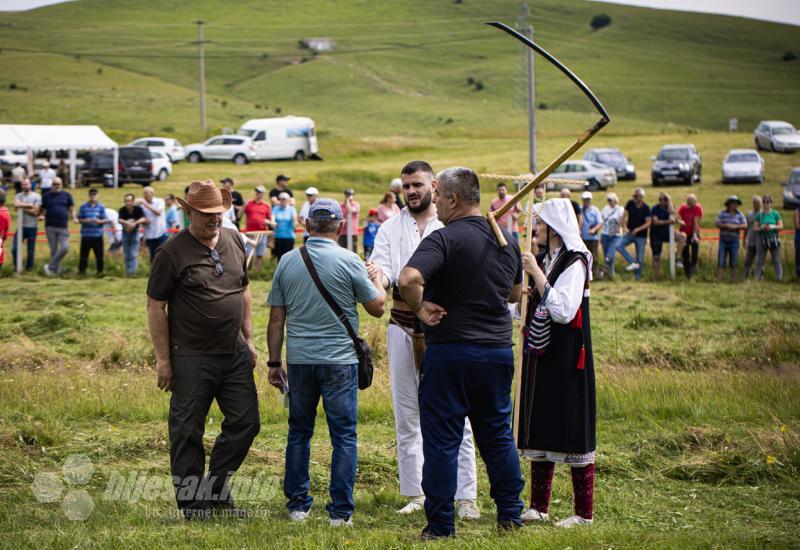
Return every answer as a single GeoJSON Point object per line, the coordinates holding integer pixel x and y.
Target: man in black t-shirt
{"type": "Point", "coordinates": [59, 209]}
{"type": "Point", "coordinates": [459, 282]}
{"type": "Point", "coordinates": [636, 220]}
{"type": "Point", "coordinates": [281, 186]}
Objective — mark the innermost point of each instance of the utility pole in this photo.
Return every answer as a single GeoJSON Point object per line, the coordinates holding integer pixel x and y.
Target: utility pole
{"type": "Point", "coordinates": [202, 59]}
{"type": "Point", "coordinates": [527, 30]}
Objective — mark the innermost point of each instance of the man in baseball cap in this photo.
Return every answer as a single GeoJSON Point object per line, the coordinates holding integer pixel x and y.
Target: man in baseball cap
{"type": "Point", "coordinates": [311, 197]}
{"type": "Point", "coordinates": [281, 186]}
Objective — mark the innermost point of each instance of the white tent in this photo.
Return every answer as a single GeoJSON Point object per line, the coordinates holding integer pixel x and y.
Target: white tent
{"type": "Point", "coordinates": [72, 138]}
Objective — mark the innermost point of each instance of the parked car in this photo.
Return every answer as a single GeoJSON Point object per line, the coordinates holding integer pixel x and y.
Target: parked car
{"type": "Point", "coordinates": [289, 137]}
{"type": "Point", "coordinates": [613, 158]}
{"type": "Point", "coordinates": [135, 166]}
{"type": "Point", "coordinates": [743, 165]}
{"type": "Point", "coordinates": [171, 147]}
{"type": "Point", "coordinates": [791, 194]}
{"type": "Point", "coordinates": [776, 135]}
{"type": "Point", "coordinates": [596, 176]}
{"type": "Point", "coordinates": [680, 163]}
{"type": "Point", "coordinates": [162, 166]}
{"type": "Point", "coordinates": [239, 149]}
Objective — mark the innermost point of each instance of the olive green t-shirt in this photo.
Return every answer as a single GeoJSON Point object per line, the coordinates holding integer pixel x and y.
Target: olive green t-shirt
{"type": "Point", "coordinates": [204, 307]}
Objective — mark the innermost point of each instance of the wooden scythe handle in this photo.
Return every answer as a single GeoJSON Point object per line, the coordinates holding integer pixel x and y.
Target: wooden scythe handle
{"type": "Point", "coordinates": [522, 193]}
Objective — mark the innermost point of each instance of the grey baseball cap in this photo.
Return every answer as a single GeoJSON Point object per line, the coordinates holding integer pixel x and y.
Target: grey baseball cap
{"type": "Point", "coordinates": [325, 209]}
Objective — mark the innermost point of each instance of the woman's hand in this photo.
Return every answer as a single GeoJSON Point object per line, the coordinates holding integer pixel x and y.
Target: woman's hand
{"type": "Point", "coordinates": [529, 263]}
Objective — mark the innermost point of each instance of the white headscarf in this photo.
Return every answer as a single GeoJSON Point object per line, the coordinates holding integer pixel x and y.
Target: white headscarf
{"type": "Point", "coordinates": [560, 216]}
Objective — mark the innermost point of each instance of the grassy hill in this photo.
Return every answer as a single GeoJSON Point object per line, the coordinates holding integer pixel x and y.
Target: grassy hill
{"type": "Point", "coordinates": [399, 69]}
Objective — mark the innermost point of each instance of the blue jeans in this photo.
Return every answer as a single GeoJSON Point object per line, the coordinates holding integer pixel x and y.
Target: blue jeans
{"type": "Point", "coordinates": [609, 243]}
{"type": "Point", "coordinates": [640, 243]}
{"type": "Point", "coordinates": [29, 236]}
{"type": "Point", "coordinates": [153, 244]}
{"type": "Point", "coordinates": [130, 248]}
{"type": "Point", "coordinates": [338, 387]}
{"type": "Point", "coordinates": [474, 381]}
{"type": "Point", "coordinates": [728, 250]}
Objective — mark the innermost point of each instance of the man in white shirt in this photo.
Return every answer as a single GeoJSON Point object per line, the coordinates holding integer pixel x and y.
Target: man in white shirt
{"type": "Point", "coordinates": [155, 230]}
{"type": "Point", "coordinates": [46, 177]}
{"type": "Point", "coordinates": [311, 196]}
{"type": "Point", "coordinates": [395, 242]}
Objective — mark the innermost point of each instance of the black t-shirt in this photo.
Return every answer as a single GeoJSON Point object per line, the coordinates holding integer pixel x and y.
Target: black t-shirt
{"type": "Point", "coordinates": [237, 198]}
{"type": "Point", "coordinates": [56, 206]}
{"type": "Point", "coordinates": [204, 309]}
{"type": "Point", "coordinates": [134, 214]}
{"type": "Point", "coordinates": [637, 216]}
{"type": "Point", "coordinates": [471, 276]}
{"type": "Point", "coordinates": [659, 233]}
{"type": "Point", "coordinates": [275, 192]}
{"type": "Point", "coordinates": [577, 208]}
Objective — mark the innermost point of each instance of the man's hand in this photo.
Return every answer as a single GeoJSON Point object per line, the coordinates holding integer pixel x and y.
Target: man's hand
{"type": "Point", "coordinates": [164, 375]}
{"type": "Point", "coordinates": [277, 377]}
{"type": "Point", "coordinates": [431, 314]}
{"type": "Point", "coordinates": [374, 272]}
{"type": "Point", "coordinates": [253, 353]}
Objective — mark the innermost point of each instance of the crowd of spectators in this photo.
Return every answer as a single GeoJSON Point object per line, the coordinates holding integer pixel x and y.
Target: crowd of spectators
{"type": "Point", "coordinates": [270, 221]}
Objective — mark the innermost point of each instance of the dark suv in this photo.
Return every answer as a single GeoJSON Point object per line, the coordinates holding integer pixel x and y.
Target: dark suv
{"type": "Point", "coordinates": [135, 166]}
{"type": "Point", "coordinates": [681, 163]}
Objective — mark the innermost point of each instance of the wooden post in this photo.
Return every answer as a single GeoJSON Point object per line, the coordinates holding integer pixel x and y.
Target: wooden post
{"type": "Point", "coordinates": [523, 312]}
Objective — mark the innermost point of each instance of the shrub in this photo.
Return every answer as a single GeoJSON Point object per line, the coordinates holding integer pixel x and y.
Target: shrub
{"type": "Point", "coordinates": [600, 21]}
{"type": "Point", "coordinates": [479, 85]}
{"type": "Point", "coordinates": [789, 56]}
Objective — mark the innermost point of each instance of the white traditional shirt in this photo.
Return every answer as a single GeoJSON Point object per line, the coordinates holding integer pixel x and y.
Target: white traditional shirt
{"type": "Point", "coordinates": [566, 295]}
{"type": "Point", "coordinates": [157, 223]}
{"type": "Point", "coordinates": [396, 240]}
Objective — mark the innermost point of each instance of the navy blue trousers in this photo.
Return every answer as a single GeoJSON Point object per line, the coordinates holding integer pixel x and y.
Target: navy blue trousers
{"type": "Point", "coordinates": [460, 381]}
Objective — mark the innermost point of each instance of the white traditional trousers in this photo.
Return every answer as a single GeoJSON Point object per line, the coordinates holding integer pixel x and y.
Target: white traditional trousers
{"type": "Point", "coordinates": [405, 399]}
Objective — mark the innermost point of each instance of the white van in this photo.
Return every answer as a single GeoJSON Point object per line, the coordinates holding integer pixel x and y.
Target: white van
{"type": "Point", "coordinates": [289, 137]}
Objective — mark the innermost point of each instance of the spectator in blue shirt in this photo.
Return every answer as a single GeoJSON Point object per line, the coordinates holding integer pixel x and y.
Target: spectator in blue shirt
{"type": "Point", "coordinates": [591, 224]}
{"type": "Point", "coordinates": [731, 223]}
{"type": "Point", "coordinates": [370, 230]}
{"type": "Point", "coordinates": [92, 217]}
{"type": "Point", "coordinates": [284, 215]}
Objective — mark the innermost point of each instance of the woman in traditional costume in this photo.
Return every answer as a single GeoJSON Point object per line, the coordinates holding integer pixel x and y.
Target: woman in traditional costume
{"type": "Point", "coordinates": [557, 397]}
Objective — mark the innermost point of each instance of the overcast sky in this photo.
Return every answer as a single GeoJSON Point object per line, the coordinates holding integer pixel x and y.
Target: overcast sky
{"type": "Point", "coordinates": [783, 11]}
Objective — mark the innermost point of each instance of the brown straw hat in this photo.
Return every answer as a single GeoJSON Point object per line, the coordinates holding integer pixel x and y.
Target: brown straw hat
{"type": "Point", "coordinates": [206, 197]}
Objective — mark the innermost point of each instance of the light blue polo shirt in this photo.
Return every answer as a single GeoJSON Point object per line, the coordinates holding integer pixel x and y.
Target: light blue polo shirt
{"type": "Point", "coordinates": [313, 333]}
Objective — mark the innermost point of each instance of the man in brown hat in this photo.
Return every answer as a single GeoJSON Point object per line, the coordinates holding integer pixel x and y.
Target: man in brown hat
{"type": "Point", "coordinates": [199, 312]}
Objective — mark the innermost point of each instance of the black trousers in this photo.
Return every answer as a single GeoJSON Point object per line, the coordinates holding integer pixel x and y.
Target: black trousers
{"type": "Point", "coordinates": [95, 244]}
{"type": "Point", "coordinates": [198, 380]}
{"type": "Point", "coordinates": [282, 246]}
{"type": "Point", "coordinates": [689, 258]}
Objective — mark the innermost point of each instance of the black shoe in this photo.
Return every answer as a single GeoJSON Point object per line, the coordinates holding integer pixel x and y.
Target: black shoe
{"type": "Point", "coordinates": [508, 525]}
{"type": "Point", "coordinates": [427, 534]}
{"type": "Point", "coordinates": [197, 514]}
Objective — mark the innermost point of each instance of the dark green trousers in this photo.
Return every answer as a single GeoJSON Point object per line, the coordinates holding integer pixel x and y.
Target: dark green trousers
{"type": "Point", "coordinates": [198, 380]}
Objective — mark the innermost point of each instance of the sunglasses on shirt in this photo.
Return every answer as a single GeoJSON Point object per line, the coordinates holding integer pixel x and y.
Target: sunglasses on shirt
{"type": "Point", "coordinates": [217, 263]}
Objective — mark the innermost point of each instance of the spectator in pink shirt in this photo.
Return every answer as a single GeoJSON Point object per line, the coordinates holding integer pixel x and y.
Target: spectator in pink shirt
{"type": "Point", "coordinates": [510, 218]}
{"type": "Point", "coordinates": [350, 209]}
{"type": "Point", "coordinates": [387, 207]}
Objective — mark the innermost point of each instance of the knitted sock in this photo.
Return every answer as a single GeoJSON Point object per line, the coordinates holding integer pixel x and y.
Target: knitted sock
{"type": "Point", "coordinates": [541, 485]}
{"type": "Point", "coordinates": [583, 487]}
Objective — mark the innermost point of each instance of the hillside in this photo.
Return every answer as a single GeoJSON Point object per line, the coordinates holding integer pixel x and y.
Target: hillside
{"type": "Point", "coordinates": [398, 68]}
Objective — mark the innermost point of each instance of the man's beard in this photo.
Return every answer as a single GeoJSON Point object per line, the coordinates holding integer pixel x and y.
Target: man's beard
{"type": "Point", "coordinates": [424, 203]}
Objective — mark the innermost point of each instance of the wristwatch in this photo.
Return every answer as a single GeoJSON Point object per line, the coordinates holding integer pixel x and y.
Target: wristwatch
{"type": "Point", "coordinates": [274, 364]}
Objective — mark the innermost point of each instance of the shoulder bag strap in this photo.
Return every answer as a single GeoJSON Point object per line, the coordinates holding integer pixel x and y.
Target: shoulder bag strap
{"type": "Point", "coordinates": [337, 310]}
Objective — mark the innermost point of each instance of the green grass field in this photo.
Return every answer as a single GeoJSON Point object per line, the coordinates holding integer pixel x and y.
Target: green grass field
{"type": "Point", "coordinates": [698, 384]}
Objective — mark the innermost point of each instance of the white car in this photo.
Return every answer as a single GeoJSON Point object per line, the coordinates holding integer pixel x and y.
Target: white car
{"type": "Point", "coordinates": [743, 165]}
{"type": "Point", "coordinates": [777, 136]}
{"type": "Point", "coordinates": [597, 176]}
{"type": "Point", "coordinates": [171, 147]}
{"type": "Point", "coordinates": [162, 166]}
{"type": "Point", "coordinates": [239, 149]}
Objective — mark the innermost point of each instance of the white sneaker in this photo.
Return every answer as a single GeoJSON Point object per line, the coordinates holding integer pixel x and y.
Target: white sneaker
{"type": "Point", "coordinates": [339, 522]}
{"type": "Point", "coordinates": [48, 271]}
{"type": "Point", "coordinates": [532, 514]}
{"type": "Point", "coordinates": [468, 509]}
{"type": "Point", "coordinates": [679, 264]}
{"type": "Point", "coordinates": [298, 516]}
{"type": "Point", "coordinates": [632, 267]}
{"type": "Point", "coordinates": [572, 521]}
{"type": "Point", "coordinates": [414, 505]}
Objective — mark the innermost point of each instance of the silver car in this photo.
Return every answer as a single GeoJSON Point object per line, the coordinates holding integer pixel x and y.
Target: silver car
{"type": "Point", "coordinates": [239, 149]}
{"type": "Point", "coordinates": [597, 176]}
{"type": "Point", "coordinates": [776, 135]}
{"type": "Point", "coordinates": [743, 165]}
